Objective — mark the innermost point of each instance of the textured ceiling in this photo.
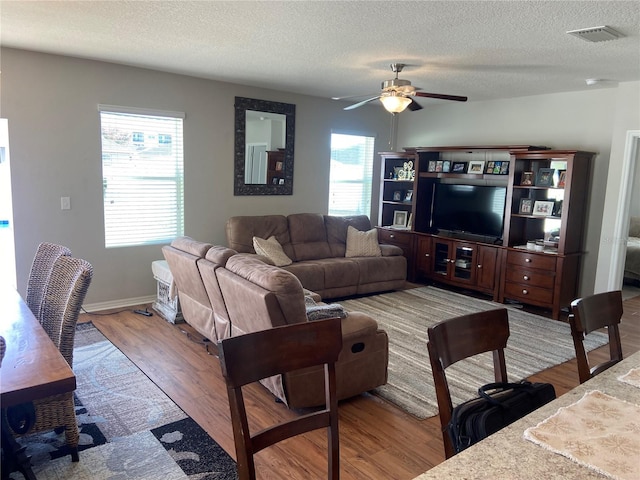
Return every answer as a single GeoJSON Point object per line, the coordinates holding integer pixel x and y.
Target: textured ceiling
{"type": "Point", "coordinates": [480, 49]}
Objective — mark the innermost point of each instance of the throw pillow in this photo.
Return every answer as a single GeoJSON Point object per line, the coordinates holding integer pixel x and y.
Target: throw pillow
{"type": "Point", "coordinates": [362, 244]}
{"type": "Point", "coordinates": [271, 249]}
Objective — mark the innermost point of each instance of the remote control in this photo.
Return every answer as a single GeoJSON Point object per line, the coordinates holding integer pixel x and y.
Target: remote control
{"type": "Point", "coordinates": [143, 312]}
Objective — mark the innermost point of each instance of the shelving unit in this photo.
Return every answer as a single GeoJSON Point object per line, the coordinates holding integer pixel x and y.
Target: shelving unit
{"type": "Point", "coordinates": [504, 269]}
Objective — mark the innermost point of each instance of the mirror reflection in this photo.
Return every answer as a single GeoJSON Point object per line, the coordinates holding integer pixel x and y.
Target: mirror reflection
{"type": "Point", "coordinates": [264, 148]}
{"type": "Point", "coordinates": [264, 139]}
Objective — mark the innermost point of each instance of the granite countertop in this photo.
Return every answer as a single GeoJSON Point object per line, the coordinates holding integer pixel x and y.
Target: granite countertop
{"type": "Point", "coordinates": [508, 455]}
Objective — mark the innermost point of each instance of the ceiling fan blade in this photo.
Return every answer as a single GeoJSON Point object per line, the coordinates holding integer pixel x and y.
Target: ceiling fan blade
{"type": "Point", "coordinates": [413, 106]}
{"type": "Point", "coordinates": [441, 96]}
{"type": "Point", "coordinates": [354, 96]}
{"type": "Point", "coordinates": [359, 104]}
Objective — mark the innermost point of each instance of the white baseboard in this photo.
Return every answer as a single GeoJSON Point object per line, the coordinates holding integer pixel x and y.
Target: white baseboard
{"type": "Point", "coordinates": [125, 302]}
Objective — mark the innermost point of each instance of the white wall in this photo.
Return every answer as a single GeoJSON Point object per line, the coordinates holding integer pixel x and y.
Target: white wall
{"type": "Point", "coordinates": [593, 120]}
{"type": "Point", "coordinates": [51, 105]}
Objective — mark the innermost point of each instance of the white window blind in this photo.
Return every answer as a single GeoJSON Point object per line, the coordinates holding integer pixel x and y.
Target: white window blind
{"type": "Point", "coordinates": [142, 176]}
{"type": "Point", "coordinates": [350, 175]}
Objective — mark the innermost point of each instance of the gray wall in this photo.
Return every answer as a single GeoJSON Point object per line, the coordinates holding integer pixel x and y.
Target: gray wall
{"type": "Point", "coordinates": [54, 134]}
{"type": "Point", "coordinates": [592, 120]}
{"type": "Point", "coordinates": [51, 104]}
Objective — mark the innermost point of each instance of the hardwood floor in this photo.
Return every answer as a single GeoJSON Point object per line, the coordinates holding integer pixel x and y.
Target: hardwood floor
{"type": "Point", "coordinates": [377, 440]}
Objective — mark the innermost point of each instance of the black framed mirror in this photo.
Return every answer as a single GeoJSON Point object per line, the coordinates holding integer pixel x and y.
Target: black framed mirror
{"type": "Point", "coordinates": [264, 139]}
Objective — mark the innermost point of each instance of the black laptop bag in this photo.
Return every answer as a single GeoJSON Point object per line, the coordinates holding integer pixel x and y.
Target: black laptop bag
{"type": "Point", "coordinates": [498, 405]}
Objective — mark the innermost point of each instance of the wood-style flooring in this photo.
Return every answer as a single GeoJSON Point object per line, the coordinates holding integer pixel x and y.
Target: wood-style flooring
{"type": "Point", "coordinates": [377, 439]}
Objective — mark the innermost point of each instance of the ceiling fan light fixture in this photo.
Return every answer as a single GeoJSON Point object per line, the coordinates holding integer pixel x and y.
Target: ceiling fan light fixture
{"type": "Point", "coordinates": [395, 103]}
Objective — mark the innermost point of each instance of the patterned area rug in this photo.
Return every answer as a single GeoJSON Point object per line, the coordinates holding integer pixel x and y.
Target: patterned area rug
{"type": "Point", "coordinates": [535, 343]}
{"type": "Point", "coordinates": [129, 429]}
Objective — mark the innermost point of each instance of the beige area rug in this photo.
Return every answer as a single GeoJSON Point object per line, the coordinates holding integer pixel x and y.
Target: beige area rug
{"type": "Point", "coordinates": [535, 343]}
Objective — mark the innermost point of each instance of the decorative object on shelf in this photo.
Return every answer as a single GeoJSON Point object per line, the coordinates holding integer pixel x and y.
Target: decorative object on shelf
{"type": "Point", "coordinates": [504, 168]}
{"type": "Point", "coordinates": [408, 196]}
{"type": "Point", "coordinates": [545, 177]}
{"type": "Point", "coordinates": [476, 166]}
{"type": "Point", "coordinates": [562, 177]}
{"type": "Point", "coordinates": [439, 166]}
{"type": "Point", "coordinates": [446, 166]}
{"type": "Point", "coordinates": [527, 178]}
{"type": "Point", "coordinates": [279, 166]}
{"type": "Point", "coordinates": [490, 167]}
{"type": "Point", "coordinates": [498, 167]}
{"type": "Point", "coordinates": [400, 219]}
{"type": "Point", "coordinates": [432, 166]}
{"type": "Point", "coordinates": [459, 167]}
{"type": "Point", "coordinates": [543, 208]}
{"type": "Point", "coordinates": [557, 208]}
{"type": "Point", "coordinates": [396, 172]}
{"type": "Point", "coordinates": [397, 196]}
{"type": "Point", "coordinates": [526, 206]}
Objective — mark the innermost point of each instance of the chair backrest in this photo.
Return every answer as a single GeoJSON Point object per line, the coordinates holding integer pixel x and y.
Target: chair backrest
{"type": "Point", "coordinates": [68, 284]}
{"type": "Point", "coordinates": [463, 337]}
{"type": "Point", "coordinates": [247, 358]}
{"type": "Point", "coordinates": [592, 313]}
{"type": "Point", "coordinates": [46, 255]}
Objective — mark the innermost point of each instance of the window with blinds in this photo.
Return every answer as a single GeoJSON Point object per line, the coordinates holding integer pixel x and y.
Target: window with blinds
{"type": "Point", "coordinates": [351, 174]}
{"type": "Point", "coordinates": [142, 176]}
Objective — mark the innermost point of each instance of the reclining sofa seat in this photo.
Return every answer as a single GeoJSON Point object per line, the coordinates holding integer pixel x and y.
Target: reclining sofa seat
{"type": "Point", "coordinates": [259, 296]}
{"type": "Point", "coordinates": [182, 256]}
{"type": "Point", "coordinates": [317, 244]}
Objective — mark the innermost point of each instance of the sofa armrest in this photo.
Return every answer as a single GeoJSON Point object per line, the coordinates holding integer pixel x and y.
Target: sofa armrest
{"type": "Point", "coordinates": [356, 326]}
{"type": "Point", "coordinates": [390, 250]}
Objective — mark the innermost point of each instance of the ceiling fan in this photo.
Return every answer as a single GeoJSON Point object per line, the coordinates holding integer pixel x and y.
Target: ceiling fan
{"type": "Point", "coordinates": [397, 93]}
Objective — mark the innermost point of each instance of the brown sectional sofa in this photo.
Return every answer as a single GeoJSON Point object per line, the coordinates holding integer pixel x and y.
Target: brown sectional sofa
{"type": "Point", "coordinates": [317, 243]}
{"type": "Point", "coordinates": [223, 293]}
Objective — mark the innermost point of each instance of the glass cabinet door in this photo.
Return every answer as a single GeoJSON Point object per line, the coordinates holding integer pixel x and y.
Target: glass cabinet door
{"type": "Point", "coordinates": [441, 258]}
{"type": "Point", "coordinates": [463, 263]}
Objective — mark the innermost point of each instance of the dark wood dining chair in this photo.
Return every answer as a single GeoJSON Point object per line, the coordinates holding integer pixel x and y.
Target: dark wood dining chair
{"type": "Point", "coordinates": [248, 358]}
{"type": "Point", "coordinates": [591, 313]}
{"type": "Point", "coordinates": [43, 261]}
{"type": "Point", "coordinates": [462, 337]}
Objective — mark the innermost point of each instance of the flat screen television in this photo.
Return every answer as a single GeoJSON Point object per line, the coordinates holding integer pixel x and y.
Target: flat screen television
{"type": "Point", "coordinates": [469, 209]}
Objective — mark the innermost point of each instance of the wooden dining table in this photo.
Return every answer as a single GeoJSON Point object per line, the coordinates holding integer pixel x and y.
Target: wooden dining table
{"type": "Point", "coordinates": [32, 367]}
{"type": "Point", "coordinates": [507, 454]}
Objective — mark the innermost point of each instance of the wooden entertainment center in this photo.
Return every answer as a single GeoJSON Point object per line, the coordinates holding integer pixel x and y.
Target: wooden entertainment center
{"type": "Point", "coordinates": [535, 256]}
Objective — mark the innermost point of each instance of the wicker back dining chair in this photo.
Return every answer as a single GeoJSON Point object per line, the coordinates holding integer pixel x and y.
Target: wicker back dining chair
{"type": "Point", "coordinates": [68, 284]}
{"type": "Point", "coordinates": [251, 357]}
{"type": "Point", "coordinates": [462, 337]}
{"type": "Point", "coordinates": [592, 313]}
{"type": "Point", "coordinates": [46, 255]}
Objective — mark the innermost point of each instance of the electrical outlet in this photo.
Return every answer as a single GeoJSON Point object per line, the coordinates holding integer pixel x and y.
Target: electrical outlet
{"type": "Point", "coordinates": [65, 203]}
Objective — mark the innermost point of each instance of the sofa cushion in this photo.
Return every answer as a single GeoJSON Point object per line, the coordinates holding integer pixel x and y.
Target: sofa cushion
{"type": "Point", "coordinates": [242, 229]}
{"type": "Point", "coordinates": [362, 244]}
{"type": "Point", "coordinates": [284, 285]}
{"type": "Point", "coordinates": [271, 249]}
{"type": "Point", "coordinates": [308, 236]}
{"type": "Point", "coordinates": [337, 231]}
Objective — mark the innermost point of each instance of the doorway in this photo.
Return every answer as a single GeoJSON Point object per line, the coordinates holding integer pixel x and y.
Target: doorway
{"type": "Point", "coordinates": [7, 242]}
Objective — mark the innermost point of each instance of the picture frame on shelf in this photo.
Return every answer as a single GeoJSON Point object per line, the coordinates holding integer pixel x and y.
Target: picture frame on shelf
{"type": "Point", "coordinates": [562, 178]}
{"type": "Point", "coordinates": [397, 196]}
{"type": "Point", "coordinates": [526, 179]}
{"type": "Point", "coordinates": [439, 165]}
{"type": "Point", "coordinates": [446, 166]}
{"type": "Point", "coordinates": [400, 219]}
{"type": "Point", "coordinates": [408, 196]}
{"type": "Point", "coordinates": [432, 166]}
{"type": "Point", "coordinates": [476, 166]}
{"type": "Point", "coordinates": [497, 167]}
{"type": "Point", "coordinates": [526, 206]}
{"type": "Point", "coordinates": [545, 177]}
{"type": "Point", "coordinates": [557, 208]}
{"type": "Point", "coordinates": [490, 166]}
{"type": "Point", "coordinates": [459, 167]}
{"type": "Point", "coordinates": [543, 208]}
{"type": "Point", "coordinates": [504, 168]}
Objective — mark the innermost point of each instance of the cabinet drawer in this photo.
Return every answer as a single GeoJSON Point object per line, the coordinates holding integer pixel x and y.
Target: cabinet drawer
{"type": "Point", "coordinates": [543, 261]}
{"type": "Point", "coordinates": [534, 278]}
{"type": "Point", "coordinates": [398, 238]}
{"type": "Point", "coordinates": [528, 294]}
